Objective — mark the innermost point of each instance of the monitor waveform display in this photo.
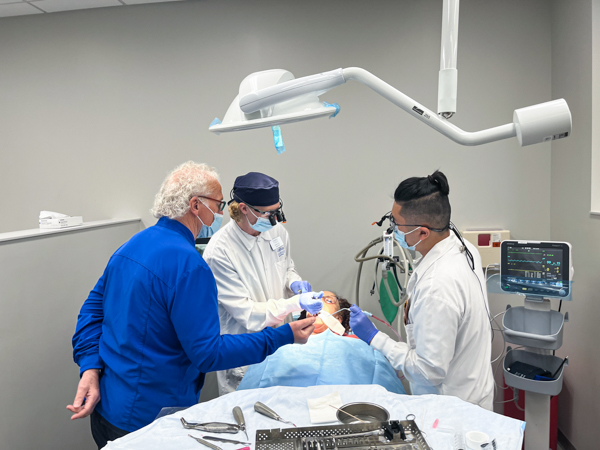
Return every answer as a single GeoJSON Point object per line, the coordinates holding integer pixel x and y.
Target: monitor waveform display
{"type": "Point", "coordinates": [536, 268]}
{"type": "Point", "coordinates": [535, 264]}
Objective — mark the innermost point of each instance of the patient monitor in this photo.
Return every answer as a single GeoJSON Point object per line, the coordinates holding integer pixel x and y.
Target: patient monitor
{"type": "Point", "coordinates": [536, 268]}
{"type": "Point", "coordinates": [542, 271]}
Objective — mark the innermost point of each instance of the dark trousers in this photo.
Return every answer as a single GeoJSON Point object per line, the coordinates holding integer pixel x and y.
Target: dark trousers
{"type": "Point", "coordinates": [104, 431]}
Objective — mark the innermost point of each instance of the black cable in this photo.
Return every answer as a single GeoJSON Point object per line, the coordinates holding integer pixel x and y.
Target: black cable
{"type": "Point", "coordinates": [464, 248]}
{"type": "Point", "coordinates": [559, 308]}
{"type": "Point", "coordinates": [396, 278]}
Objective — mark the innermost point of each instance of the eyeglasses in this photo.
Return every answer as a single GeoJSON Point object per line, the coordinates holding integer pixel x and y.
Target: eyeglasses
{"type": "Point", "coordinates": [395, 225]}
{"type": "Point", "coordinates": [221, 204]}
{"type": "Point", "coordinates": [464, 249]}
{"type": "Point", "coordinates": [265, 213]}
{"type": "Point", "coordinates": [331, 299]}
{"type": "Point", "coordinates": [274, 216]}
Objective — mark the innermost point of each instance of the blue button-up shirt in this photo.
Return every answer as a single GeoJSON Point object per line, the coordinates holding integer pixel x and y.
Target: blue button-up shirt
{"type": "Point", "coordinates": [151, 323]}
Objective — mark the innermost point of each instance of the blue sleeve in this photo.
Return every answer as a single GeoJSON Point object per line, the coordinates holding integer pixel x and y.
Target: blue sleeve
{"type": "Point", "coordinates": [87, 335]}
{"type": "Point", "coordinates": [195, 317]}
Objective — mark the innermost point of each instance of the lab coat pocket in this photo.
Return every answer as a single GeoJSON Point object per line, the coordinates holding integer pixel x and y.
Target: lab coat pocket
{"type": "Point", "coordinates": [281, 269]}
{"type": "Point", "coordinates": [409, 335]}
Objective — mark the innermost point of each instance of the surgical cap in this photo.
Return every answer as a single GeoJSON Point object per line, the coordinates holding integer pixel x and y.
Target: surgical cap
{"type": "Point", "coordinates": [256, 189]}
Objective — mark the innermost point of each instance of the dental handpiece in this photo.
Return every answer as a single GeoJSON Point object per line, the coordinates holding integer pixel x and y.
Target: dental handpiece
{"type": "Point", "coordinates": [263, 409]}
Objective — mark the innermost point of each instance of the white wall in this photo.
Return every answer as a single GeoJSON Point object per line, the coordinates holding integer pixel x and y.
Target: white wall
{"type": "Point", "coordinates": [570, 221]}
{"type": "Point", "coordinates": [98, 105]}
{"type": "Point", "coordinates": [43, 282]}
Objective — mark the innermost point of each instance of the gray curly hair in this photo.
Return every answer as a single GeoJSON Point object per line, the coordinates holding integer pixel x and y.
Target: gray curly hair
{"type": "Point", "coordinates": [184, 182]}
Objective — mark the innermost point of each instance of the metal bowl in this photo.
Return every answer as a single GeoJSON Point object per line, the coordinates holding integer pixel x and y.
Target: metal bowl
{"type": "Point", "coordinates": [367, 412]}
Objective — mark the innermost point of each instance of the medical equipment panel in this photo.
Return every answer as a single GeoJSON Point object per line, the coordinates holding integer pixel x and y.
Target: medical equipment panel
{"type": "Point", "coordinates": [487, 242]}
{"type": "Point", "coordinates": [201, 244]}
{"type": "Point", "coordinates": [541, 271]}
{"type": "Point", "coordinates": [360, 436]}
{"type": "Point", "coordinates": [536, 269]}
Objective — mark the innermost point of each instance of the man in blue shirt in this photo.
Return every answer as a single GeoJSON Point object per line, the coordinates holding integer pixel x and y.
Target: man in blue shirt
{"type": "Point", "coordinates": [149, 330]}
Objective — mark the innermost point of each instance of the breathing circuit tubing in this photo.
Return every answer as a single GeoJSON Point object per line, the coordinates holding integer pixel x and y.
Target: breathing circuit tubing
{"type": "Point", "coordinates": [405, 267]}
{"type": "Point", "coordinates": [385, 323]}
{"type": "Point", "coordinates": [407, 262]}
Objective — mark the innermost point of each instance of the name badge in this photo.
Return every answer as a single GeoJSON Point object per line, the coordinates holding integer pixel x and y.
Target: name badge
{"type": "Point", "coordinates": [277, 246]}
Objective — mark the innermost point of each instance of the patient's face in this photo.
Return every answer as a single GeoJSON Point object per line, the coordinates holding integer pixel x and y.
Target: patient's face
{"type": "Point", "coordinates": [330, 305]}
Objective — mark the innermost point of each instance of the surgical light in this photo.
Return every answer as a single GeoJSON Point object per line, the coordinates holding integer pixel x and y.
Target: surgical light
{"type": "Point", "coordinates": [275, 97]}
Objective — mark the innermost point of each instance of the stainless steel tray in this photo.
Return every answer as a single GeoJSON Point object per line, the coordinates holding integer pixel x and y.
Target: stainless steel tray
{"type": "Point", "coordinates": [331, 437]}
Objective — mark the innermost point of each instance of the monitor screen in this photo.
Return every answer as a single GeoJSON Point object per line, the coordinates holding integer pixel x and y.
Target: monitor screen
{"type": "Point", "coordinates": [535, 268]}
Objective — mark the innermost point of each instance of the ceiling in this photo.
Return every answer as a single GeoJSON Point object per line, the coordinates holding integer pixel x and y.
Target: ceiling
{"type": "Point", "coordinates": [10, 8]}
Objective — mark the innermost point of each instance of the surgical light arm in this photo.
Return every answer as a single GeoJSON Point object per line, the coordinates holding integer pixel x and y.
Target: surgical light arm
{"type": "Point", "coordinates": [531, 125]}
{"type": "Point", "coordinates": [448, 76]}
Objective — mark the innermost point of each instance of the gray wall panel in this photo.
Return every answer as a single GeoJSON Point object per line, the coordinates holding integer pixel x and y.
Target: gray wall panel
{"type": "Point", "coordinates": [43, 283]}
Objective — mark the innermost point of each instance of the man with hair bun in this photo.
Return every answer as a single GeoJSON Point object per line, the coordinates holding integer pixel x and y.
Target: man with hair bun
{"type": "Point", "coordinates": [149, 330]}
{"type": "Point", "coordinates": [446, 315]}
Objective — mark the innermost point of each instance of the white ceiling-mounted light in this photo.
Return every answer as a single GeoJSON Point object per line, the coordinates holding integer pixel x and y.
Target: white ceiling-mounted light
{"type": "Point", "coordinates": [277, 109]}
{"type": "Point", "coordinates": [275, 97]}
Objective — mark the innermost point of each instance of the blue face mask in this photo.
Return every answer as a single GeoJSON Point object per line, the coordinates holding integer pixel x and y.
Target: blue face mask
{"type": "Point", "coordinates": [400, 237]}
{"type": "Point", "coordinates": [261, 224]}
{"type": "Point", "coordinates": [207, 231]}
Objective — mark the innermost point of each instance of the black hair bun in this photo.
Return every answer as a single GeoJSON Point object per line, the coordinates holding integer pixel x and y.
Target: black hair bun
{"type": "Point", "coordinates": [439, 179]}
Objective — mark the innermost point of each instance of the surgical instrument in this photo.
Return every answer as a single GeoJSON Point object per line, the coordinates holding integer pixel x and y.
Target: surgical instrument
{"type": "Point", "coordinates": [239, 418]}
{"type": "Point", "coordinates": [263, 409]}
{"type": "Point", "coordinates": [359, 436]}
{"type": "Point", "coordinates": [229, 441]}
{"type": "Point", "coordinates": [211, 427]}
{"type": "Point", "coordinates": [360, 420]}
{"type": "Point", "coordinates": [203, 442]}
{"type": "Point", "coordinates": [339, 310]}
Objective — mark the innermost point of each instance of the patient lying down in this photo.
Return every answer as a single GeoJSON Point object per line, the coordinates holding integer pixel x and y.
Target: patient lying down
{"type": "Point", "coordinates": [332, 303]}
{"type": "Point", "coordinates": [326, 359]}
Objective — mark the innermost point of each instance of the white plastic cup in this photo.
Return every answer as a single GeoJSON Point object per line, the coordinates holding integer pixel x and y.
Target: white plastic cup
{"type": "Point", "coordinates": [475, 439]}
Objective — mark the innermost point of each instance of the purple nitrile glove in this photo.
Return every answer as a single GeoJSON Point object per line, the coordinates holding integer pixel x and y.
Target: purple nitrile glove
{"type": "Point", "coordinates": [311, 302]}
{"type": "Point", "coordinates": [361, 325]}
{"type": "Point", "coordinates": [298, 287]}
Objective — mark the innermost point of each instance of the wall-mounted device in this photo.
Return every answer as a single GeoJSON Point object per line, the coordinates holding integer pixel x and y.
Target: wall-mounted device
{"type": "Point", "coordinates": [487, 241]}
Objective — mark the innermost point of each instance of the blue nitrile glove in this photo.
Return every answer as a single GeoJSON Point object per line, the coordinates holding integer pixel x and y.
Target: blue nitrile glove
{"type": "Point", "coordinates": [311, 302]}
{"type": "Point", "coordinates": [298, 287]}
{"type": "Point", "coordinates": [361, 325]}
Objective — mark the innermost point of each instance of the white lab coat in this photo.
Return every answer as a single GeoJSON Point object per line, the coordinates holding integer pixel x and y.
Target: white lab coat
{"type": "Point", "coordinates": [253, 279]}
{"type": "Point", "coordinates": [449, 336]}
